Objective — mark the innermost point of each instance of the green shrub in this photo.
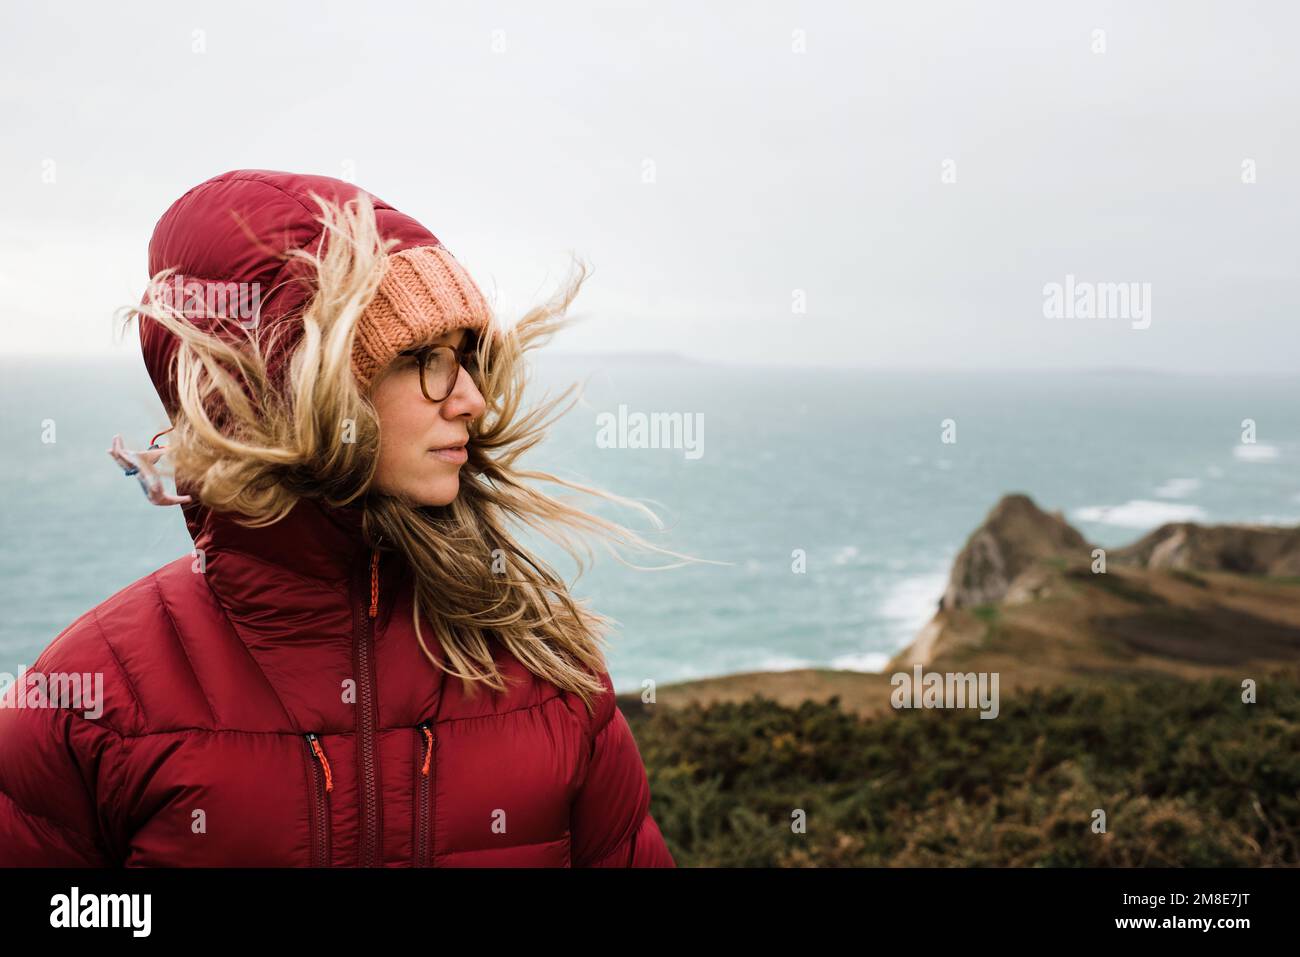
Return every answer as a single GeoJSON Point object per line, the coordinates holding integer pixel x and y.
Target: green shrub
{"type": "Point", "coordinates": [1186, 774]}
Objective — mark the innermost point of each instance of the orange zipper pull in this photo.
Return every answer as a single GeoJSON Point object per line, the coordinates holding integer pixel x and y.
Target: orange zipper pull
{"type": "Point", "coordinates": [320, 754]}
{"type": "Point", "coordinates": [428, 748]}
{"type": "Point", "coordinates": [374, 583]}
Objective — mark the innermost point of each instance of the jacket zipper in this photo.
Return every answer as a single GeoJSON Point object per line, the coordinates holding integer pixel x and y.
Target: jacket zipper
{"type": "Point", "coordinates": [366, 701]}
{"type": "Point", "coordinates": [324, 783]}
{"type": "Point", "coordinates": [424, 786]}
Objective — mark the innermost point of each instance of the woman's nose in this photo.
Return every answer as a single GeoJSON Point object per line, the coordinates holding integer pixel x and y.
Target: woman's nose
{"type": "Point", "coordinates": [465, 398]}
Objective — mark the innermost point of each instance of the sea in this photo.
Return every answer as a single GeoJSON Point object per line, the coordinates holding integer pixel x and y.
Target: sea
{"type": "Point", "coordinates": [827, 504]}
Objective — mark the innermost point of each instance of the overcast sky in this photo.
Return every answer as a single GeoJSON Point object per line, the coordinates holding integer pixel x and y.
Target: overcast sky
{"type": "Point", "coordinates": [716, 169]}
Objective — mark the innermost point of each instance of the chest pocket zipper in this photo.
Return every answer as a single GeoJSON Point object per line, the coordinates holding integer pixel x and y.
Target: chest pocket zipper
{"type": "Point", "coordinates": [322, 784]}
{"type": "Point", "coordinates": [424, 773]}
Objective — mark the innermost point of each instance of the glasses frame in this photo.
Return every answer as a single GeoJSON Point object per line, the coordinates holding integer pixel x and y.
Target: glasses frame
{"type": "Point", "coordinates": [422, 356]}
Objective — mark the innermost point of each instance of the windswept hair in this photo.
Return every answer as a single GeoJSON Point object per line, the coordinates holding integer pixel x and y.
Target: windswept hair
{"type": "Point", "coordinates": [251, 441]}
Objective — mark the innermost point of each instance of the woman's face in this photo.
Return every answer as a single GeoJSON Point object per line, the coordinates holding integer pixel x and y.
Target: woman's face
{"type": "Point", "coordinates": [412, 429]}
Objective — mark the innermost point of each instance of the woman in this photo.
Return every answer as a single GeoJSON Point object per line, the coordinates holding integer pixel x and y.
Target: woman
{"type": "Point", "coordinates": [358, 665]}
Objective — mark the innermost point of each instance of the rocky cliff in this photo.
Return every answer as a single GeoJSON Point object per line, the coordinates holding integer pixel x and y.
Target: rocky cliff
{"type": "Point", "coordinates": [1026, 598]}
{"type": "Point", "coordinates": [1015, 538]}
{"type": "Point", "coordinates": [1028, 591]}
{"type": "Point", "coordinates": [1243, 549]}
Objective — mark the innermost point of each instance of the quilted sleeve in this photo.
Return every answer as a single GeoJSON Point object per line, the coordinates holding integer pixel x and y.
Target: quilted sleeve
{"type": "Point", "coordinates": [611, 822]}
{"type": "Point", "coordinates": [54, 762]}
{"type": "Point", "coordinates": [48, 816]}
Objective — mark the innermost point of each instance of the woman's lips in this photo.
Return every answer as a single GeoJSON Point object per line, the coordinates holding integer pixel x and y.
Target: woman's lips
{"type": "Point", "coordinates": [458, 454]}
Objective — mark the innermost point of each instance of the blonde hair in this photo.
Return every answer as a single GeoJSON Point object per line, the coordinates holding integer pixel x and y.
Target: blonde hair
{"type": "Point", "coordinates": [253, 443]}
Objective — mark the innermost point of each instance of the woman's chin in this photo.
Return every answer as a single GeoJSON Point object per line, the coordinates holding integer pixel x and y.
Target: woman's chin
{"type": "Point", "coordinates": [424, 490]}
{"type": "Point", "coordinates": [442, 491]}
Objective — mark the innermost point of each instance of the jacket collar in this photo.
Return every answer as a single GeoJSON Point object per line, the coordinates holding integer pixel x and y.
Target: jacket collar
{"type": "Point", "coordinates": [314, 540]}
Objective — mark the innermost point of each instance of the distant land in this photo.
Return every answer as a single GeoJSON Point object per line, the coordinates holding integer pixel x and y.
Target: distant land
{"type": "Point", "coordinates": [660, 356]}
{"type": "Point", "coordinates": [130, 354]}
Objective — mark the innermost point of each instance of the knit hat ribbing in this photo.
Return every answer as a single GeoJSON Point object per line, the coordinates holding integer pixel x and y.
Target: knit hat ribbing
{"type": "Point", "coordinates": [425, 293]}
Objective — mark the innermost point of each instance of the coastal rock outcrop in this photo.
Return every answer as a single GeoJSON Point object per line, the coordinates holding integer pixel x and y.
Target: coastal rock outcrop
{"type": "Point", "coordinates": [1243, 549]}
{"type": "Point", "coordinates": [1026, 594]}
{"type": "Point", "coordinates": [1015, 536]}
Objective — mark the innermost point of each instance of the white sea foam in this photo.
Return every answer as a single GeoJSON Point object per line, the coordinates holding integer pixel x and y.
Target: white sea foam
{"type": "Point", "coordinates": [1139, 513]}
{"type": "Point", "coordinates": [913, 601]}
{"type": "Point", "coordinates": [1255, 453]}
{"type": "Point", "coordinates": [873, 661]}
{"type": "Point", "coordinates": [906, 608]}
{"type": "Point", "coordinates": [1178, 488]}
{"type": "Point", "coordinates": [1285, 521]}
{"type": "Point", "coordinates": [845, 555]}
{"type": "Point", "coordinates": [782, 663]}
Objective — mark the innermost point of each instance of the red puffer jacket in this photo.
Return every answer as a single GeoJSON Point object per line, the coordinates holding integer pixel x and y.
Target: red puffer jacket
{"type": "Point", "coordinates": [266, 702]}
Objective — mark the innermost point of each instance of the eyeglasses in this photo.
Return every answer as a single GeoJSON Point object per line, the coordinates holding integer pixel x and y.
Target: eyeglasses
{"type": "Point", "coordinates": [440, 368]}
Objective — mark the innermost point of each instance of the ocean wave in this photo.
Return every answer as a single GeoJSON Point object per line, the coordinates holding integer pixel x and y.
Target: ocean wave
{"type": "Point", "coordinates": [913, 601]}
{"type": "Point", "coordinates": [1256, 453]}
{"type": "Point", "coordinates": [845, 555]}
{"type": "Point", "coordinates": [778, 662]}
{"type": "Point", "coordinates": [1139, 513]}
{"type": "Point", "coordinates": [1285, 521]}
{"type": "Point", "coordinates": [872, 661]}
{"type": "Point", "coordinates": [905, 608]}
{"type": "Point", "coordinates": [1178, 488]}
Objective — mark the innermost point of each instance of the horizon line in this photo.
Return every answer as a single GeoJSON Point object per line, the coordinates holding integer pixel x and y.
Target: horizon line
{"type": "Point", "coordinates": [649, 356]}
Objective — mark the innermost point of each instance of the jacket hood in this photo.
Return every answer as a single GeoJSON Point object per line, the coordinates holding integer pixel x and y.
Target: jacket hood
{"type": "Point", "coordinates": [235, 228]}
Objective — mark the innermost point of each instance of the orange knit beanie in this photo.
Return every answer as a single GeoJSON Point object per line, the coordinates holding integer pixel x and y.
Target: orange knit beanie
{"type": "Point", "coordinates": [425, 293]}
